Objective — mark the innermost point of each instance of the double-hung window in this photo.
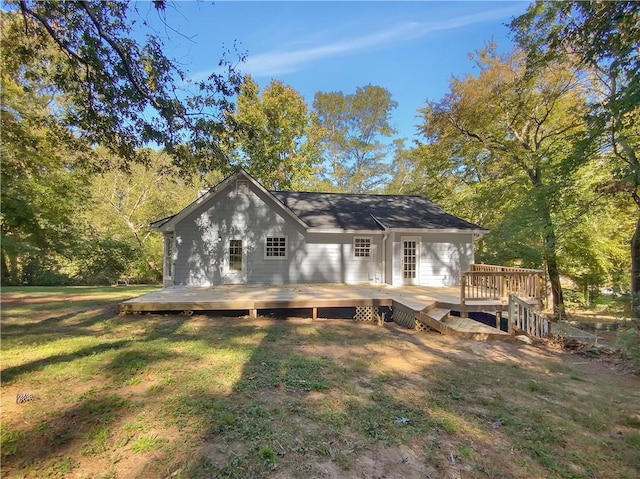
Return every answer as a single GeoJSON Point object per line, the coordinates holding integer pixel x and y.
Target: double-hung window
{"type": "Point", "coordinates": [275, 247]}
{"type": "Point", "coordinates": [362, 247]}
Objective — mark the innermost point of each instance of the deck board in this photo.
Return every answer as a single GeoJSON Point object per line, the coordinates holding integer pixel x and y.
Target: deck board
{"type": "Point", "coordinates": [294, 296]}
{"type": "Point", "coordinates": [326, 295]}
{"type": "Point", "coordinates": [466, 325]}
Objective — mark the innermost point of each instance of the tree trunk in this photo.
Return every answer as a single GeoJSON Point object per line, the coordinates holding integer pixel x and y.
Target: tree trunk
{"type": "Point", "coordinates": [551, 259]}
{"type": "Point", "coordinates": [635, 271]}
{"type": "Point", "coordinates": [6, 272]}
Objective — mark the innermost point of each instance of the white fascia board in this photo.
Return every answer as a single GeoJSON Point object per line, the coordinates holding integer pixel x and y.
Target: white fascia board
{"type": "Point", "coordinates": [344, 231]}
{"type": "Point", "coordinates": [439, 230]}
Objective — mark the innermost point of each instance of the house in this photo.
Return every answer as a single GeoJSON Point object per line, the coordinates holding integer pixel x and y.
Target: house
{"type": "Point", "coordinates": [238, 232]}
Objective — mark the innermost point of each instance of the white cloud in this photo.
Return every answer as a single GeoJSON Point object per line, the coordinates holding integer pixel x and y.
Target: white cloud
{"type": "Point", "coordinates": [278, 62]}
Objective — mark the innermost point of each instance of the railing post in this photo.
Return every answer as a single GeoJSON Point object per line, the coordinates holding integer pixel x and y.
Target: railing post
{"type": "Point", "coordinates": [463, 282]}
{"type": "Point", "coordinates": [511, 315]}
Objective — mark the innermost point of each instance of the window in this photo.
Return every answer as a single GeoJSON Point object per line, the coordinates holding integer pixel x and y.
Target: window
{"type": "Point", "coordinates": [275, 247]}
{"type": "Point", "coordinates": [235, 255]}
{"type": "Point", "coordinates": [362, 247]}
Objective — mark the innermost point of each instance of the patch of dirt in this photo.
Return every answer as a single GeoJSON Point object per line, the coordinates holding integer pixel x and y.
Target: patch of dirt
{"type": "Point", "coordinates": [610, 358]}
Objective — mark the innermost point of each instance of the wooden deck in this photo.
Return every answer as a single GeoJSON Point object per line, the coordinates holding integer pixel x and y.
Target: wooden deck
{"type": "Point", "coordinates": [422, 301]}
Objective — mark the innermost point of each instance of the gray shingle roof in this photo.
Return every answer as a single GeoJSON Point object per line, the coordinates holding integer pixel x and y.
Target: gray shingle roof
{"type": "Point", "coordinates": [360, 212]}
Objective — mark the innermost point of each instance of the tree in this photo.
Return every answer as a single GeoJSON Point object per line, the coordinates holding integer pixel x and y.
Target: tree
{"type": "Point", "coordinates": [124, 203]}
{"type": "Point", "coordinates": [119, 93]}
{"type": "Point", "coordinates": [42, 185]}
{"type": "Point", "coordinates": [512, 135]}
{"type": "Point", "coordinates": [603, 39]}
{"type": "Point", "coordinates": [273, 135]}
{"type": "Point", "coordinates": [351, 131]}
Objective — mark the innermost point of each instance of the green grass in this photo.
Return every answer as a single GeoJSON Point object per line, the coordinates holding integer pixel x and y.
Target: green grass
{"type": "Point", "coordinates": [193, 397]}
{"type": "Point", "coordinates": [91, 293]}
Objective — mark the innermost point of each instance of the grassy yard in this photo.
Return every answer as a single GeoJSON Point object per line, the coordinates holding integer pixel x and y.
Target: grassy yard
{"type": "Point", "coordinates": [155, 396]}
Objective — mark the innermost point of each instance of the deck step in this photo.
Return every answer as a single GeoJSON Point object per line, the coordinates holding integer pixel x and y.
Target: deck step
{"type": "Point", "coordinates": [427, 320]}
{"type": "Point", "coordinates": [438, 314]}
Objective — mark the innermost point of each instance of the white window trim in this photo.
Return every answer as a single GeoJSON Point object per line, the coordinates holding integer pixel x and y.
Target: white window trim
{"type": "Point", "coordinates": [370, 247]}
{"type": "Point", "coordinates": [286, 248]}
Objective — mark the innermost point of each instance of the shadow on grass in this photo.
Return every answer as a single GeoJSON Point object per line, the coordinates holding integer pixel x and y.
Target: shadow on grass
{"type": "Point", "coordinates": [66, 325]}
{"type": "Point", "coordinates": [290, 408]}
{"type": "Point", "coordinates": [259, 397]}
{"type": "Point", "coordinates": [155, 331]}
{"type": "Point", "coordinates": [297, 412]}
{"type": "Point", "coordinates": [11, 374]}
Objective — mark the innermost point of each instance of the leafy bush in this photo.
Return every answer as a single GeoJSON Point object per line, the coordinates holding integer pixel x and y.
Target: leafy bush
{"type": "Point", "coordinates": [105, 262]}
{"type": "Point", "coordinates": [37, 268]}
{"type": "Point", "coordinates": [629, 342]}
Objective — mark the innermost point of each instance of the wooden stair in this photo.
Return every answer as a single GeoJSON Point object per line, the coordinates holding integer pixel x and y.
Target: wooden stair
{"type": "Point", "coordinates": [439, 314]}
{"type": "Point", "coordinates": [438, 318]}
{"type": "Point", "coordinates": [433, 318]}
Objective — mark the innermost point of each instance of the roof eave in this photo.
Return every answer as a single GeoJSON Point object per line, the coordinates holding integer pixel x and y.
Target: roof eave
{"type": "Point", "coordinates": [344, 231]}
{"type": "Point", "coordinates": [480, 231]}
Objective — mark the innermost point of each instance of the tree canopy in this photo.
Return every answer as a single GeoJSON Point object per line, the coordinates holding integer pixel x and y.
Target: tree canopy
{"type": "Point", "coordinates": [273, 137]}
{"type": "Point", "coordinates": [119, 93]}
{"type": "Point", "coordinates": [603, 40]}
{"type": "Point", "coordinates": [352, 129]}
{"type": "Point", "coordinates": [513, 131]}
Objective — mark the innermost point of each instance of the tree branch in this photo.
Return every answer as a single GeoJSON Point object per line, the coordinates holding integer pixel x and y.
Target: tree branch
{"type": "Point", "coordinates": [123, 58]}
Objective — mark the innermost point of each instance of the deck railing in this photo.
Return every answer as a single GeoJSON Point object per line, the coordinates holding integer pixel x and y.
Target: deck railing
{"type": "Point", "coordinates": [491, 282]}
{"type": "Point", "coordinates": [524, 317]}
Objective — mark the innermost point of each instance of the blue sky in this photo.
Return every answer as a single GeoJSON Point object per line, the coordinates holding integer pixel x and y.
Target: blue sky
{"type": "Point", "coordinates": [410, 48]}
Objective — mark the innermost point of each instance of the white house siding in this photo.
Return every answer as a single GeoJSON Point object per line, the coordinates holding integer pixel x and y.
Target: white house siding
{"type": "Point", "coordinates": [443, 256]}
{"type": "Point", "coordinates": [202, 241]}
{"type": "Point", "coordinates": [390, 263]}
{"type": "Point", "coordinates": [329, 257]}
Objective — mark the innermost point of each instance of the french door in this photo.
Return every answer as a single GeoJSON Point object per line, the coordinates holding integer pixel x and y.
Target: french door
{"type": "Point", "coordinates": [410, 257]}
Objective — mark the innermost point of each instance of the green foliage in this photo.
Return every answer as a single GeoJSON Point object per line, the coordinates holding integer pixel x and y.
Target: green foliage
{"type": "Point", "coordinates": [43, 182]}
{"type": "Point", "coordinates": [504, 142]}
{"type": "Point", "coordinates": [147, 444]}
{"type": "Point", "coordinates": [269, 456]}
{"type": "Point", "coordinates": [61, 225]}
{"type": "Point", "coordinates": [124, 203]}
{"type": "Point", "coordinates": [273, 136]}
{"type": "Point", "coordinates": [629, 342]}
{"type": "Point", "coordinates": [603, 40]}
{"type": "Point", "coordinates": [350, 131]}
{"type": "Point", "coordinates": [119, 92]}
{"type": "Point", "coordinates": [105, 261]}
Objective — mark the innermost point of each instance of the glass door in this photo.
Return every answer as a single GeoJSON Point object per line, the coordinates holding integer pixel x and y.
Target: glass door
{"type": "Point", "coordinates": [236, 262]}
{"type": "Point", "coordinates": [410, 256]}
